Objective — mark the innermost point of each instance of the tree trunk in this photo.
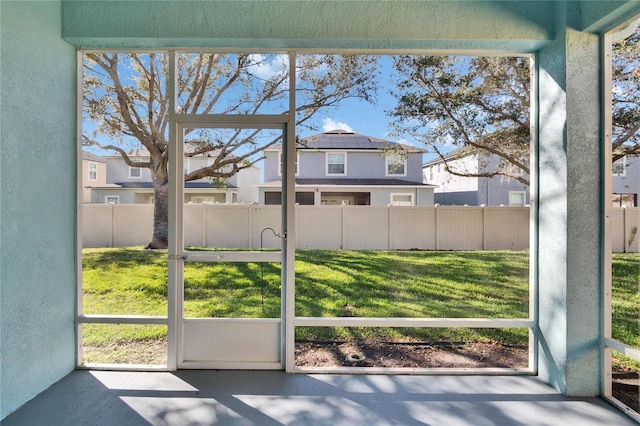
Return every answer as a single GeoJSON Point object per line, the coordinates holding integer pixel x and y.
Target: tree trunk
{"type": "Point", "coordinates": [160, 239]}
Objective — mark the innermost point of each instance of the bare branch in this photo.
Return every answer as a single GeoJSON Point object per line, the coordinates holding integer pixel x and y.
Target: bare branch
{"type": "Point", "coordinates": [87, 141]}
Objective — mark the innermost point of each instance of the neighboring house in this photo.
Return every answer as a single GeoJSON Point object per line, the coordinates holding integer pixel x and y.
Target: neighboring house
{"type": "Point", "coordinates": [626, 181]}
{"type": "Point", "coordinates": [94, 174]}
{"type": "Point", "coordinates": [133, 185]}
{"type": "Point", "coordinates": [340, 167]}
{"type": "Point", "coordinates": [473, 191]}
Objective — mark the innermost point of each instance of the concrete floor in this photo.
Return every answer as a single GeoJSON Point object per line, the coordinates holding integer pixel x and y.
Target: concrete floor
{"type": "Point", "coordinates": [205, 397]}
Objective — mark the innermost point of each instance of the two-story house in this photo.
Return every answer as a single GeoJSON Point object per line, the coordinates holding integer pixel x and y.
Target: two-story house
{"type": "Point", "coordinates": [626, 181]}
{"type": "Point", "coordinates": [474, 191]}
{"type": "Point", "coordinates": [340, 167]}
{"type": "Point", "coordinates": [94, 174]}
{"type": "Point", "coordinates": [133, 185]}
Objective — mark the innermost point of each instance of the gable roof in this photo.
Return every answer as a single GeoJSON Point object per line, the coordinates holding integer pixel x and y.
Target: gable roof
{"type": "Point", "coordinates": [456, 153]}
{"type": "Point", "coordinates": [89, 156]}
{"type": "Point", "coordinates": [342, 139]}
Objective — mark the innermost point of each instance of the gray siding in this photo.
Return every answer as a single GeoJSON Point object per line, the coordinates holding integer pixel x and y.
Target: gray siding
{"type": "Point", "coordinates": [473, 191]}
{"type": "Point", "coordinates": [630, 182]}
{"type": "Point", "coordinates": [118, 171]}
{"type": "Point", "coordinates": [360, 165]}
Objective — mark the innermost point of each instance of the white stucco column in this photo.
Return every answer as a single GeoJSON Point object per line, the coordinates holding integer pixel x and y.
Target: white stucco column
{"type": "Point", "coordinates": [570, 218]}
{"type": "Point", "coordinates": [317, 198]}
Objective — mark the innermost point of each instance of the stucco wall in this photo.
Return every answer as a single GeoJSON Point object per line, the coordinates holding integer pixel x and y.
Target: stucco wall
{"type": "Point", "coordinates": [37, 261]}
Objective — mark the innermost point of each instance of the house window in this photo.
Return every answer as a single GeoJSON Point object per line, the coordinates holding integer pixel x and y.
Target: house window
{"type": "Point", "coordinates": [517, 198]}
{"type": "Point", "coordinates": [396, 165]}
{"type": "Point", "coordinates": [619, 167]}
{"type": "Point", "coordinates": [402, 199]}
{"type": "Point", "coordinates": [112, 199]}
{"type": "Point", "coordinates": [431, 170]}
{"type": "Point", "coordinates": [93, 171]}
{"type": "Point", "coordinates": [280, 164]}
{"type": "Point", "coordinates": [336, 163]}
{"type": "Point", "coordinates": [135, 172]}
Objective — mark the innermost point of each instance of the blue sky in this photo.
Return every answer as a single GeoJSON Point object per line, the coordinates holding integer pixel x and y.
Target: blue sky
{"type": "Point", "coordinates": [352, 114]}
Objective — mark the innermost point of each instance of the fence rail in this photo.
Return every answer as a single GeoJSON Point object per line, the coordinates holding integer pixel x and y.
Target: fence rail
{"type": "Point", "coordinates": [339, 227]}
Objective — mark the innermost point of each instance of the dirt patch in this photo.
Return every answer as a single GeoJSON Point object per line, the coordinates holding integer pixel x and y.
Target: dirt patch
{"type": "Point", "coordinates": [626, 389]}
{"type": "Point", "coordinates": [379, 353]}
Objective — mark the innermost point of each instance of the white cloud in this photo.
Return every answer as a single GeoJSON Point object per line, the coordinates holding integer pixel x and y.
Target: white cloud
{"type": "Point", "coordinates": [330, 124]}
{"type": "Point", "coordinates": [267, 66]}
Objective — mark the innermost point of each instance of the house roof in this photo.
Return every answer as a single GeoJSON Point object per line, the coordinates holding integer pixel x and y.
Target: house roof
{"type": "Point", "coordinates": [92, 157]}
{"type": "Point", "coordinates": [352, 182]}
{"type": "Point", "coordinates": [342, 139]}
{"type": "Point", "coordinates": [458, 152]}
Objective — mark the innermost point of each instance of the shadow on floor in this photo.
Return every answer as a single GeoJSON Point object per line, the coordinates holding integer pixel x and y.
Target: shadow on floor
{"type": "Point", "coordinates": [208, 397]}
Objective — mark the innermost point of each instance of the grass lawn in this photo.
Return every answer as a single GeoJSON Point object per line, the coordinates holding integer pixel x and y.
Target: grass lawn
{"type": "Point", "coordinates": [474, 284]}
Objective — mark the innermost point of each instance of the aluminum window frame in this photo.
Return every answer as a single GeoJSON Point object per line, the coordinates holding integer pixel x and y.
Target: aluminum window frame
{"type": "Point", "coordinates": [290, 322]}
{"type": "Point", "coordinates": [387, 163]}
{"type": "Point", "coordinates": [401, 194]}
{"type": "Point", "coordinates": [107, 197]}
{"type": "Point", "coordinates": [131, 169]}
{"type": "Point", "coordinates": [280, 165]}
{"type": "Point", "coordinates": [524, 198]}
{"type": "Point", "coordinates": [92, 169]}
{"type": "Point", "coordinates": [609, 344]}
{"type": "Point", "coordinates": [330, 153]}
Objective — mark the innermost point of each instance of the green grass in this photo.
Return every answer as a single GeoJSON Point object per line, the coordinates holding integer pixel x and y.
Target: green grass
{"type": "Point", "coordinates": [625, 304]}
{"type": "Point", "coordinates": [127, 281]}
{"type": "Point", "coordinates": [329, 283]}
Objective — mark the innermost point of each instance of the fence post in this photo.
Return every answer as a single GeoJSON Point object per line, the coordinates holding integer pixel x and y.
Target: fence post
{"type": "Point", "coordinates": [435, 218]}
{"type": "Point", "coordinates": [389, 227]}
{"type": "Point", "coordinates": [113, 225]}
{"type": "Point", "coordinates": [625, 237]}
{"type": "Point", "coordinates": [484, 226]}
{"type": "Point", "coordinates": [250, 227]}
{"type": "Point", "coordinates": [205, 211]}
{"type": "Point", "coordinates": [342, 242]}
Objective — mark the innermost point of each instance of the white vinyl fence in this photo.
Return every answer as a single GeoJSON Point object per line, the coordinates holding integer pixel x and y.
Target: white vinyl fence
{"type": "Point", "coordinates": [338, 227]}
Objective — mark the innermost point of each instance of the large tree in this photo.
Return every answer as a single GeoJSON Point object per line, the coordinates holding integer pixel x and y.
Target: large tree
{"type": "Point", "coordinates": [125, 104]}
{"type": "Point", "coordinates": [481, 105]}
{"type": "Point", "coordinates": [477, 104]}
{"type": "Point", "coordinates": [626, 96]}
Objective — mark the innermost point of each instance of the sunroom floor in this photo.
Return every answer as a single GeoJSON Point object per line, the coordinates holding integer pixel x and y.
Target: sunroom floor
{"type": "Point", "coordinates": [208, 397]}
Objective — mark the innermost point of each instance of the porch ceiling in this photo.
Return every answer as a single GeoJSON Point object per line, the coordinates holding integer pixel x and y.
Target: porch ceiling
{"type": "Point", "coordinates": [499, 25]}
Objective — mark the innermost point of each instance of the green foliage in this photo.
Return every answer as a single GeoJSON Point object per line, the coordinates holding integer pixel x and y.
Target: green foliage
{"type": "Point", "coordinates": [476, 103]}
{"type": "Point", "coordinates": [626, 96]}
{"type": "Point", "coordinates": [481, 104]}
